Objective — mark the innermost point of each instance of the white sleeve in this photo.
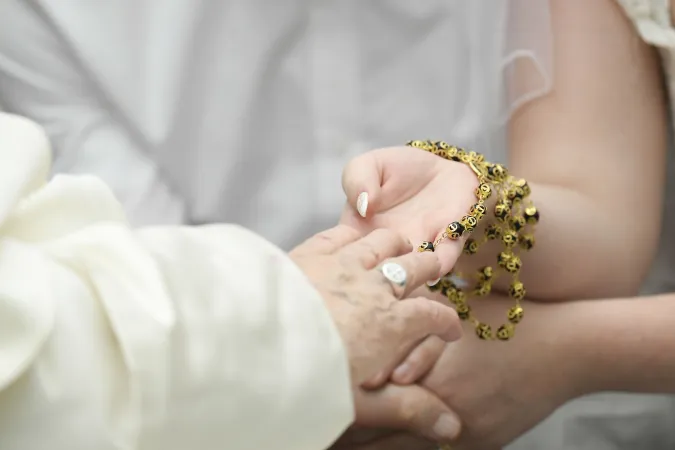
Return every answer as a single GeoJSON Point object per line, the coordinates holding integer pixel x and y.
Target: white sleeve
{"type": "Point", "coordinates": [162, 339]}
{"type": "Point", "coordinates": [43, 78]}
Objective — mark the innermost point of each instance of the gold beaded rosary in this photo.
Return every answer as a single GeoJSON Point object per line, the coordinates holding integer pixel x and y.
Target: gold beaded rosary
{"type": "Point", "coordinates": [515, 217]}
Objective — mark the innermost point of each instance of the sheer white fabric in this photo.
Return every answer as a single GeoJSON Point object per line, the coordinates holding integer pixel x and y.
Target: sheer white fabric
{"type": "Point", "coordinates": [246, 111]}
{"type": "Point", "coordinates": [169, 338]}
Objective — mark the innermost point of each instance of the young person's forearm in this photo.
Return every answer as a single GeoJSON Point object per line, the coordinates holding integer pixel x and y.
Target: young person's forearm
{"type": "Point", "coordinates": [577, 252]}
{"type": "Point", "coordinates": [628, 344]}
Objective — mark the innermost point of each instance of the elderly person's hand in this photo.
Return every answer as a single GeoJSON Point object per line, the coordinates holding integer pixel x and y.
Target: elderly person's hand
{"type": "Point", "coordinates": [500, 390]}
{"type": "Point", "coordinates": [364, 282]}
{"type": "Point", "coordinates": [410, 191]}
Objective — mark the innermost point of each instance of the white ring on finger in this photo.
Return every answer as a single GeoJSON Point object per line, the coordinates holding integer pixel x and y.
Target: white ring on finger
{"type": "Point", "coordinates": [394, 273]}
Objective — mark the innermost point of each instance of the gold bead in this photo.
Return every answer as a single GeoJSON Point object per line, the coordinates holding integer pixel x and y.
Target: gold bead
{"type": "Point", "coordinates": [493, 231]}
{"type": "Point", "coordinates": [485, 273]}
{"type": "Point", "coordinates": [517, 290]}
{"type": "Point", "coordinates": [509, 238]}
{"type": "Point", "coordinates": [455, 230]}
{"type": "Point", "coordinates": [513, 265]}
{"type": "Point", "coordinates": [469, 223]}
{"type": "Point", "coordinates": [502, 211]}
{"type": "Point", "coordinates": [526, 241]}
{"type": "Point", "coordinates": [482, 289]}
{"type": "Point", "coordinates": [522, 184]}
{"type": "Point", "coordinates": [478, 210]}
{"type": "Point", "coordinates": [531, 215]}
{"type": "Point", "coordinates": [426, 246]}
{"type": "Point", "coordinates": [515, 314]}
{"type": "Point", "coordinates": [518, 222]}
{"type": "Point", "coordinates": [470, 247]}
{"type": "Point", "coordinates": [417, 144]}
{"type": "Point", "coordinates": [463, 311]}
{"type": "Point", "coordinates": [506, 332]}
{"type": "Point", "coordinates": [496, 172]}
{"type": "Point", "coordinates": [484, 331]}
{"type": "Point", "coordinates": [483, 191]}
{"type": "Point", "coordinates": [503, 258]}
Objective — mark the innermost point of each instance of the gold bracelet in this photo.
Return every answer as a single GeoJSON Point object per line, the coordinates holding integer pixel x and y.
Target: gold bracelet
{"type": "Point", "coordinates": [514, 219]}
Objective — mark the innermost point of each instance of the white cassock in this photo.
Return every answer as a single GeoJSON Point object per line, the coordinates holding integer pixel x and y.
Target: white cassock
{"type": "Point", "coordinates": [167, 338]}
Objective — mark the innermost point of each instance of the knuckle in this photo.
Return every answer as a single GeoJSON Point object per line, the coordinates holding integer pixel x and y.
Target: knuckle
{"type": "Point", "coordinates": [371, 255]}
{"type": "Point", "coordinates": [410, 410]}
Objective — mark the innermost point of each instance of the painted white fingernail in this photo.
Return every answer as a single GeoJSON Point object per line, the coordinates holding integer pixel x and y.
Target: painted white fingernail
{"type": "Point", "coordinates": [362, 203]}
{"type": "Point", "coordinates": [447, 426]}
{"type": "Point", "coordinates": [433, 283]}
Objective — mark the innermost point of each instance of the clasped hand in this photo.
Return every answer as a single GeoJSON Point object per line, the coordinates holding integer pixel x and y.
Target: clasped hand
{"type": "Point", "coordinates": [378, 324]}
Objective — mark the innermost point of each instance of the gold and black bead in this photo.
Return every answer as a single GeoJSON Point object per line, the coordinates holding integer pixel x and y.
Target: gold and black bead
{"type": "Point", "coordinates": [517, 290]}
{"type": "Point", "coordinates": [503, 258]}
{"type": "Point", "coordinates": [452, 153]}
{"type": "Point", "coordinates": [456, 296]}
{"type": "Point", "coordinates": [524, 187]}
{"type": "Point", "coordinates": [509, 238]}
{"type": "Point", "coordinates": [446, 285]}
{"type": "Point", "coordinates": [515, 314]}
{"type": "Point", "coordinates": [485, 273]}
{"type": "Point", "coordinates": [483, 191]}
{"type": "Point", "coordinates": [463, 311]}
{"type": "Point", "coordinates": [455, 230]}
{"type": "Point", "coordinates": [506, 332]}
{"type": "Point", "coordinates": [493, 232]}
{"type": "Point", "coordinates": [526, 241]}
{"type": "Point", "coordinates": [470, 247]}
{"type": "Point", "coordinates": [518, 222]}
{"type": "Point", "coordinates": [502, 211]}
{"type": "Point", "coordinates": [496, 172]}
{"type": "Point", "coordinates": [513, 265]}
{"type": "Point", "coordinates": [484, 331]}
{"type": "Point", "coordinates": [531, 215]}
{"type": "Point", "coordinates": [426, 246]}
{"type": "Point", "coordinates": [469, 223]}
{"type": "Point", "coordinates": [482, 289]}
{"type": "Point", "coordinates": [478, 210]}
{"type": "Point", "coordinates": [515, 194]}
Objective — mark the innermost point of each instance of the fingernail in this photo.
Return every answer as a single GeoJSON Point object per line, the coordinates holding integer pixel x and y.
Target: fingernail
{"type": "Point", "coordinates": [362, 203]}
{"type": "Point", "coordinates": [434, 282]}
{"type": "Point", "coordinates": [402, 373]}
{"type": "Point", "coordinates": [447, 426]}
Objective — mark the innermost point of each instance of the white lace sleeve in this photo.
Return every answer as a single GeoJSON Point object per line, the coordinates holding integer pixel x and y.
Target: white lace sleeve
{"type": "Point", "coordinates": [652, 20]}
{"type": "Point", "coordinates": [527, 57]}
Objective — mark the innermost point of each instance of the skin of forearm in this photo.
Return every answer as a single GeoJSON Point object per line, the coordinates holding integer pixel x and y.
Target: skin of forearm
{"type": "Point", "coordinates": [580, 248]}
{"type": "Point", "coordinates": [627, 344]}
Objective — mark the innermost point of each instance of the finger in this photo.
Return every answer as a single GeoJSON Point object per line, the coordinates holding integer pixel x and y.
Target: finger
{"type": "Point", "coordinates": [448, 252]}
{"type": "Point", "coordinates": [419, 267]}
{"type": "Point", "coordinates": [362, 181]}
{"type": "Point", "coordinates": [328, 241]}
{"type": "Point", "coordinates": [419, 362]}
{"type": "Point", "coordinates": [420, 317]}
{"type": "Point", "coordinates": [411, 408]}
{"type": "Point", "coordinates": [382, 377]}
{"type": "Point", "coordinates": [377, 246]}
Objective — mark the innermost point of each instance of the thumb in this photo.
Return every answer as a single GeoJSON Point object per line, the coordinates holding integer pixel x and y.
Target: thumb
{"type": "Point", "coordinates": [362, 181]}
{"type": "Point", "coordinates": [411, 408]}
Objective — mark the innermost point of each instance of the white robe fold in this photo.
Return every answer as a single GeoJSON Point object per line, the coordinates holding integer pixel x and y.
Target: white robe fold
{"type": "Point", "coordinates": [167, 338]}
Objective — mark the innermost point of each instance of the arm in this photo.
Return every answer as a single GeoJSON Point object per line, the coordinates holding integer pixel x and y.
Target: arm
{"type": "Point", "coordinates": [44, 78]}
{"type": "Point", "coordinates": [627, 344]}
{"type": "Point", "coordinates": [114, 338]}
{"type": "Point", "coordinates": [593, 151]}
{"type": "Point", "coordinates": [563, 350]}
